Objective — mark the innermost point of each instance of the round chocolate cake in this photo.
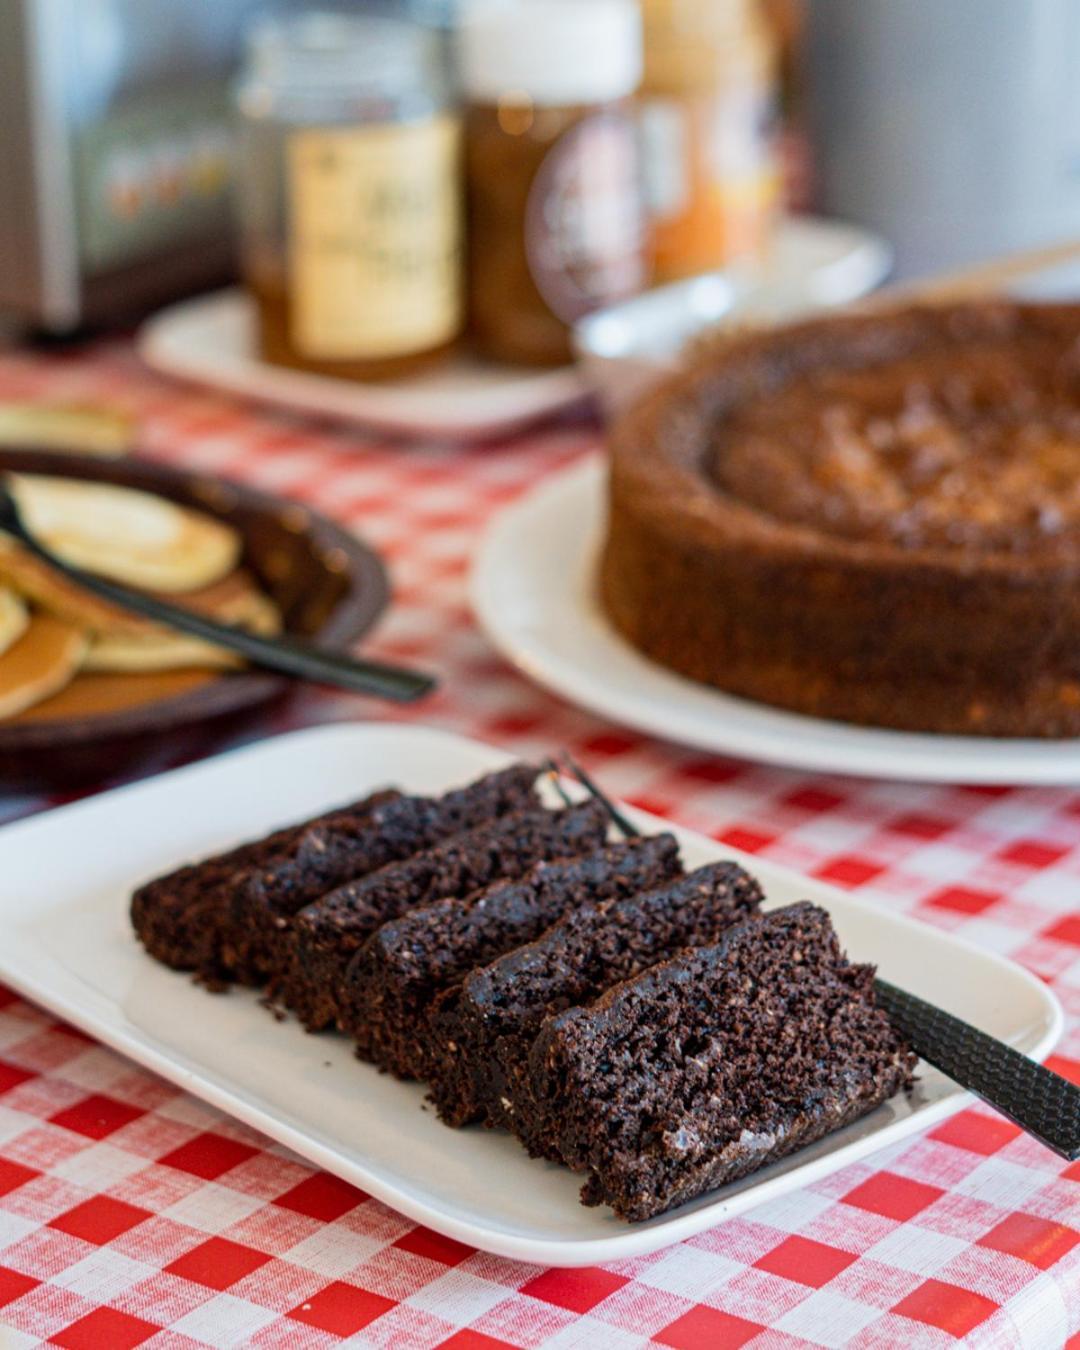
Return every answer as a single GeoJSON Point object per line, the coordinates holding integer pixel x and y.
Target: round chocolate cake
{"type": "Point", "coordinates": [872, 518]}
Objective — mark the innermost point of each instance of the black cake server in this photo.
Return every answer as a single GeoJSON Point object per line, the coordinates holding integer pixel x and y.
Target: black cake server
{"type": "Point", "coordinates": [288, 655]}
{"type": "Point", "coordinates": [1040, 1101]}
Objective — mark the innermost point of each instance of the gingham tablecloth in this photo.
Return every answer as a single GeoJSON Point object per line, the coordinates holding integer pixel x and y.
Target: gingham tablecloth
{"type": "Point", "coordinates": [131, 1214]}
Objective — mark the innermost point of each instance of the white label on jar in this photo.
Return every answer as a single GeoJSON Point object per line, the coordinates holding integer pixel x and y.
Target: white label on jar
{"type": "Point", "coordinates": [584, 226]}
{"type": "Point", "coordinates": [375, 239]}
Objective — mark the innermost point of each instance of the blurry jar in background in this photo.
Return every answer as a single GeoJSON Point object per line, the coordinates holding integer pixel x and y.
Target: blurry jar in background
{"type": "Point", "coordinates": [709, 105]}
{"type": "Point", "coordinates": [553, 189]}
{"type": "Point", "coordinates": [349, 194]}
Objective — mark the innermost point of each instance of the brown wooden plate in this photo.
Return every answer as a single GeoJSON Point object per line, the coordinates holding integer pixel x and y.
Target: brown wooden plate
{"type": "Point", "coordinates": [327, 584]}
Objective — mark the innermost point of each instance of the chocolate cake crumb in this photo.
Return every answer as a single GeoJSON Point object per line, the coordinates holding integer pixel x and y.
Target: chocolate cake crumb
{"type": "Point", "coordinates": [325, 936]}
{"type": "Point", "coordinates": [394, 979]}
{"type": "Point", "coordinates": [710, 1065]}
{"type": "Point", "coordinates": [223, 918]}
{"type": "Point", "coordinates": [484, 1029]}
{"type": "Point", "coordinates": [177, 917]}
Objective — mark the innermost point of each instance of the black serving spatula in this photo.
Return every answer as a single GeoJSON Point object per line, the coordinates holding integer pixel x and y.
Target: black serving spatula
{"type": "Point", "coordinates": [287, 655]}
{"type": "Point", "coordinates": [1041, 1102]}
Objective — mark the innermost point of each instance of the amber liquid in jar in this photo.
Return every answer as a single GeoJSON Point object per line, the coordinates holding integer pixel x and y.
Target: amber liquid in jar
{"type": "Point", "coordinates": [554, 204]}
{"type": "Point", "coordinates": [269, 291]}
{"type": "Point", "coordinates": [708, 131]}
{"type": "Point", "coordinates": [553, 221]}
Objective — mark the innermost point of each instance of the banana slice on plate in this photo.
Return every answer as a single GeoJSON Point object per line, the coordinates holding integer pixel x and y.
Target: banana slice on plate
{"type": "Point", "coordinates": [130, 536]}
{"type": "Point", "coordinates": [13, 619]}
{"type": "Point", "coordinates": [158, 650]}
{"type": "Point", "coordinates": [40, 663]}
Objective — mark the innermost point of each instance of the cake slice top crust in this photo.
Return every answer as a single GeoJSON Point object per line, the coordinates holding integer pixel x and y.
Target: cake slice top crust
{"type": "Point", "coordinates": [339, 850]}
{"type": "Point", "coordinates": [444, 941]}
{"type": "Point", "coordinates": [592, 948]}
{"type": "Point", "coordinates": [505, 846]}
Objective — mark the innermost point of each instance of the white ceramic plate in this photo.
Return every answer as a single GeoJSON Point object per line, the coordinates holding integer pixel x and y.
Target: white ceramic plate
{"type": "Point", "coordinates": [533, 590]}
{"type": "Point", "coordinates": [211, 341]}
{"type": "Point", "coordinates": [65, 941]}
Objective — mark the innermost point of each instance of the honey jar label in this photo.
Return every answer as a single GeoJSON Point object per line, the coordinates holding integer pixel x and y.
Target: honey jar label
{"type": "Point", "coordinates": [584, 227]}
{"type": "Point", "coordinates": [374, 239]}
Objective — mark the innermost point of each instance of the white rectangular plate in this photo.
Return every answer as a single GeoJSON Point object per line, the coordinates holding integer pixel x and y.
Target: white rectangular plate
{"type": "Point", "coordinates": [65, 941]}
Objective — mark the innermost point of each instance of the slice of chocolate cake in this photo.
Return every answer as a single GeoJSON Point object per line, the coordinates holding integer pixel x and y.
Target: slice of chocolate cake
{"type": "Point", "coordinates": [324, 937]}
{"type": "Point", "coordinates": [486, 1028]}
{"type": "Point", "coordinates": [393, 980]}
{"type": "Point", "coordinates": [708, 1066]}
{"type": "Point", "coordinates": [176, 916]}
{"type": "Point", "coordinates": [230, 930]}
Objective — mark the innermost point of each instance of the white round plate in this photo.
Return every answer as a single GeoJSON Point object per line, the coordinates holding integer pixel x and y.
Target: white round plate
{"type": "Point", "coordinates": [533, 592]}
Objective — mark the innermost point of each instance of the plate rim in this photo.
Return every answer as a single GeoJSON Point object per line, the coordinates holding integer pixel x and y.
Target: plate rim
{"type": "Point", "coordinates": [551, 392]}
{"type": "Point", "coordinates": [145, 1050]}
{"type": "Point", "coordinates": [864, 752]}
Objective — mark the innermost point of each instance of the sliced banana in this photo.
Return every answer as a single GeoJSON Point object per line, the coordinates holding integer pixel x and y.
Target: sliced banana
{"type": "Point", "coordinates": [13, 618]}
{"type": "Point", "coordinates": [40, 663]}
{"type": "Point", "coordinates": [159, 650]}
{"type": "Point", "coordinates": [130, 536]}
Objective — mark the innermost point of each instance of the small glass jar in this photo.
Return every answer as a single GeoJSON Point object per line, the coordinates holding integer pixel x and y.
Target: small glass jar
{"type": "Point", "coordinates": [708, 130]}
{"type": "Point", "coordinates": [553, 186]}
{"type": "Point", "coordinates": [349, 194]}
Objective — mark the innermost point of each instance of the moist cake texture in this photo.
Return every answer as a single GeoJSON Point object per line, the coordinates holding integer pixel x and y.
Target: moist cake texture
{"type": "Point", "coordinates": [871, 518]}
{"type": "Point", "coordinates": [324, 937]}
{"type": "Point", "coordinates": [394, 979]}
{"type": "Point", "coordinates": [178, 917]}
{"type": "Point", "coordinates": [486, 1028]}
{"type": "Point", "coordinates": [235, 927]}
{"type": "Point", "coordinates": [714, 1063]}
{"type": "Point", "coordinates": [651, 1029]}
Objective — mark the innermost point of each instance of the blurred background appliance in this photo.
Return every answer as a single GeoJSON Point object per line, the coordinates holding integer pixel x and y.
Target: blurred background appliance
{"type": "Point", "coordinates": [954, 129]}
{"type": "Point", "coordinates": [115, 150]}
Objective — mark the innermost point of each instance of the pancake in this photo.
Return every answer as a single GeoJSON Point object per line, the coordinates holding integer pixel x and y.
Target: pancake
{"type": "Point", "coordinates": [128, 536]}
{"type": "Point", "coordinates": [41, 663]}
{"type": "Point", "coordinates": [13, 619]}
{"type": "Point", "coordinates": [73, 428]}
{"type": "Point", "coordinates": [234, 599]}
{"type": "Point", "coordinates": [157, 649]}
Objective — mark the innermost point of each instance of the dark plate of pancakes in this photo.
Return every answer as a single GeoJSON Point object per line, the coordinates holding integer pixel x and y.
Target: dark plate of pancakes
{"type": "Point", "coordinates": [87, 692]}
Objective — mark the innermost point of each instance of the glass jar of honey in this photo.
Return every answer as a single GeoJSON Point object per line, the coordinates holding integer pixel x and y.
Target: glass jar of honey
{"type": "Point", "coordinates": [553, 183]}
{"type": "Point", "coordinates": [708, 122]}
{"type": "Point", "coordinates": [349, 194]}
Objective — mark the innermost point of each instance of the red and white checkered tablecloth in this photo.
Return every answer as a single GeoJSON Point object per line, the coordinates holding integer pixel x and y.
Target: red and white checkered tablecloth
{"type": "Point", "coordinates": [131, 1214]}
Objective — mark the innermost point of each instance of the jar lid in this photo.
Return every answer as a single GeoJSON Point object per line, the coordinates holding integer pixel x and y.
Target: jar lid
{"type": "Point", "coordinates": [555, 52]}
{"type": "Point", "coordinates": [342, 52]}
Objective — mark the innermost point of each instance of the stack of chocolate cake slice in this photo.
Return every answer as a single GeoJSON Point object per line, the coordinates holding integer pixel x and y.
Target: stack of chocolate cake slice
{"type": "Point", "coordinates": [647, 1027]}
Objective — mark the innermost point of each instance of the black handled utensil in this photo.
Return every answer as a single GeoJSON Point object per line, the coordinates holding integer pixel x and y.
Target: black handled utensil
{"type": "Point", "coordinates": [287, 655]}
{"type": "Point", "coordinates": [1041, 1102]}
